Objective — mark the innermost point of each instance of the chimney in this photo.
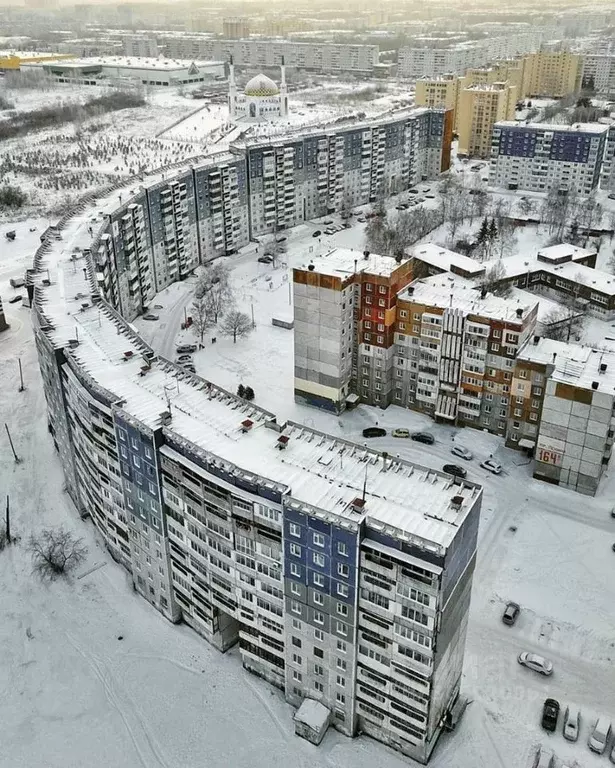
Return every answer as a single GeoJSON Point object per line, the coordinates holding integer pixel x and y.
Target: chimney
{"type": "Point", "coordinates": [595, 385]}
{"type": "Point", "coordinates": [554, 357]}
{"type": "Point", "coordinates": [165, 418]}
{"type": "Point", "coordinates": [366, 254]}
{"type": "Point", "coordinates": [520, 312]}
{"type": "Point", "coordinates": [602, 367]}
{"type": "Point", "coordinates": [358, 505]}
{"type": "Point", "coordinates": [310, 267]}
{"type": "Point", "coordinates": [536, 340]}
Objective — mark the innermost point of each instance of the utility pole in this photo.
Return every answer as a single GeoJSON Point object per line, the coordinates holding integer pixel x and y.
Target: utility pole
{"type": "Point", "coordinates": [21, 386]}
{"type": "Point", "coordinates": [16, 457]}
{"type": "Point", "coordinates": [8, 522]}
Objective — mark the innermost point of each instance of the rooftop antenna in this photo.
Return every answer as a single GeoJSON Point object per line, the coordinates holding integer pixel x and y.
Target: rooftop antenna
{"type": "Point", "coordinates": [365, 482]}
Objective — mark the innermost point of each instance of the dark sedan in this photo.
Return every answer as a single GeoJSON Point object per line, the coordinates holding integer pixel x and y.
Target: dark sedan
{"type": "Point", "coordinates": [454, 469]}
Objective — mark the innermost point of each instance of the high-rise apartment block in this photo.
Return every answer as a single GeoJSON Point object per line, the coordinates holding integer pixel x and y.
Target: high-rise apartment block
{"type": "Point", "coordinates": [344, 305]}
{"type": "Point", "coordinates": [599, 73]}
{"type": "Point", "coordinates": [551, 73]}
{"type": "Point", "coordinates": [341, 574]}
{"type": "Point", "coordinates": [141, 46]}
{"type": "Point", "coordinates": [261, 54]}
{"type": "Point", "coordinates": [539, 157]}
{"type": "Point", "coordinates": [564, 394]}
{"type": "Point", "coordinates": [480, 107]}
{"type": "Point", "coordinates": [236, 28]}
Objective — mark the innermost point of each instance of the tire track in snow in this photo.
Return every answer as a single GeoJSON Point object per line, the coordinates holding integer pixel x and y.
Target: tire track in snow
{"type": "Point", "coordinates": [104, 675]}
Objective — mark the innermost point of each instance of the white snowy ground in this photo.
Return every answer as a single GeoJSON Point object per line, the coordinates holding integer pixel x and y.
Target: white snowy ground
{"type": "Point", "coordinates": [75, 695]}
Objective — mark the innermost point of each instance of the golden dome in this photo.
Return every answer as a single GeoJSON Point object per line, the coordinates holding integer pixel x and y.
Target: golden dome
{"type": "Point", "coordinates": [261, 85]}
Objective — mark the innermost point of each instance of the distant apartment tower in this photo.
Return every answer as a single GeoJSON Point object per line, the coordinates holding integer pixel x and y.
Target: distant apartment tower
{"type": "Point", "coordinates": [551, 73]}
{"type": "Point", "coordinates": [480, 107]}
{"type": "Point", "coordinates": [236, 28]}
{"type": "Point", "coordinates": [607, 180]}
{"type": "Point", "coordinates": [438, 92]}
{"type": "Point", "coordinates": [540, 157]}
{"type": "Point", "coordinates": [141, 46]}
{"type": "Point", "coordinates": [599, 73]}
{"type": "Point", "coordinates": [455, 351]}
{"type": "Point", "coordinates": [344, 312]}
{"type": "Point", "coordinates": [567, 392]}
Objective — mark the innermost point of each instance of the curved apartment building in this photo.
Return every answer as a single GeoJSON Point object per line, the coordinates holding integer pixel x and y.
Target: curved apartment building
{"type": "Point", "coordinates": [344, 575]}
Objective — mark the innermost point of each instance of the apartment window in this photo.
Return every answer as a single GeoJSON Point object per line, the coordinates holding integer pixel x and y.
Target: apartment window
{"type": "Point", "coordinates": [523, 374]}
{"type": "Point", "coordinates": [415, 329]}
{"type": "Point", "coordinates": [295, 589]}
{"type": "Point", "coordinates": [533, 417]}
{"type": "Point", "coordinates": [318, 598]}
{"type": "Point", "coordinates": [136, 461]}
{"type": "Point", "coordinates": [294, 530]}
{"type": "Point", "coordinates": [368, 287]}
{"type": "Point", "coordinates": [380, 339]}
{"type": "Point", "coordinates": [319, 653]}
{"type": "Point", "coordinates": [381, 302]}
{"type": "Point", "coordinates": [341, 628]}
{"type": "Point", "coordinates": [341, 646]}
{"type": "Point", "coordinates": [296, 624]}
{"type": "Point", "coordinates": [382, 289]}
{"type": "Point", "coordinates": [295, 570]}
{"type": "Point", "coordinates": [295, 607]}
{"type": "Point", "coordinates": [495, 347]}
{"type": "Point", "coordinates": [296, 642]}
{"type": "Point", "coordinates": [341, 664]}
{"type": "Point", "coordinates": [318, 670]}
{"type": "Point", "coordinates": [341, 681]}
{"type": "Point", "coordinates": [318, 686]}
{"type": "Point", "coordinates": [319, 617]}
{"type": "Point", "coordinates": [368, 299]}
{"type": "Point", "coordinates": [342, 549]}
{"type": "Point", "coordinates": [319, 635]}
{"type": "Point", "coordinates": [342, 590]}
{"type": "Point", "coordinates": [342, 609]}
{"type": "Point", "coordinates": [340, 698]}
{"type": "Point", "coordinates": [368, 325]}
{"type": "Point", "coordinates": [318, 579]}
{"type": "Point", "coordinates": [297, 676]}
{"type": "Point", "coordinates": [318, 539]}
{"type": "Point", "coordinates": [318, 559]}
{"type": "Point", "coordinates": [403, 313]}
{"type": "Point", "coordinates": [297, 659]}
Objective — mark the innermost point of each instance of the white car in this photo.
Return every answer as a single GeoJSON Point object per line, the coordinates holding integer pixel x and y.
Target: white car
{"type": "Point", "coordinates": [400, 432]}
{"type": "Point", "coordinates": [572, 718]}
{"type": "Point", "coordinates": [491, 466]}
{"type": "Point", "coordinates": [599, 737]}
{"type": "Point", "coordinates": [536, 663]}
{"type": "Point", "coordinates": [464, 453]}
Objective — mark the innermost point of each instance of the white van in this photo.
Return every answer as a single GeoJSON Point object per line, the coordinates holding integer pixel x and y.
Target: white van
{"type": "Point", "coordinates": [599, 737]}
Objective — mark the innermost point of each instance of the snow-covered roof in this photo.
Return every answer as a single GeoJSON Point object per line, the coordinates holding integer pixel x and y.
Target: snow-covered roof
{"type": "Point", "coordinates": [565, 250]}
{"type": "Point", "coordinates": [444, 259]}
{"type": "Point", "coordinates": [577, 365]}
{"type": "Point", "coordinates": [444, 291]}
{"type": "Point", "coordinates": [261, 85]}
{"type": "Point", "coordinates": [312, 713]}
{"type": "Point", "coordinates": [344, 262]}
{"type": "Point", "coordinates": [125, 62]}
{"type": "Point", "coordinates": [595, 128]}
{"type": "Point", "coordinates": [322, 473]}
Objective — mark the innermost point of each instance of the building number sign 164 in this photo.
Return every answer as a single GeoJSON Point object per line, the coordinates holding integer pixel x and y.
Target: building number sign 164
{"type": "Point", "coordinates": [549, 457]}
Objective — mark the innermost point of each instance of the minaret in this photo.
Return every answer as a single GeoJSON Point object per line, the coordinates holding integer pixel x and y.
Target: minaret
{"type": "Point", "coordinates": [283, 91]}
{"type": "Point", "coordinates": [232, 89]}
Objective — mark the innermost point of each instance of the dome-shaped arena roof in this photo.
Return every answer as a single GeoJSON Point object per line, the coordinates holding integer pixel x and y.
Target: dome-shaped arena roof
{"type": "Point", "coordinates": [261, 85]}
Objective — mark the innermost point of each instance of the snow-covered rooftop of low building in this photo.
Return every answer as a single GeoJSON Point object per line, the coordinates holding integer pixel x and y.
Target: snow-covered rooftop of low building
{"type": "Point", "coordinates": [344, 262]}
{"type": "Point", "coordinates": [565, 250]}
{"type": "Point", "coordinates": [125, 62]}
{"type": "Point", "coordinates": [312, 713]}
{"type": "Point", "coordinates": [444, 259]}
{"type": "Point", "coordinates": [319, 471]}
{"type": "Point", "coordinates": [595, 128]}
{"type": "Point", "coordinates": [444, 291]}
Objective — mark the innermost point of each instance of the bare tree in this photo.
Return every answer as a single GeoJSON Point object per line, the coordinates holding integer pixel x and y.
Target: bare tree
{"type": "Point", "coordinates": [214, 287]}
{"type": "Point", "coordinates": [563, 323]}
{"type": "Point", "coordinates": [527, 206]}
{"type": "Point", "coordinates": [494, 281]}
{"type": "Point", "coordinates": [200, 317]}
{"type": "Point", "coordinates": [236, 324]}
{"type": "Point", "coordinates": [55, 552]}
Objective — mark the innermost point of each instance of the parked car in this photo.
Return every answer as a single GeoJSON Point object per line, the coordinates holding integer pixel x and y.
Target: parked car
{"type": "Point", "coordinates": [401, 432]}
{"type": "Point", "coordinates": [550, 713]}
{"type": "Point", "coordinates": [544, 758]}
{"type": "Point", "coordinates": [316, 233]}
{"type": "Point", "coordinates": [423, 437]}
{"type": "Point", "coordinates": [374, 432]}
{"type": "Point", "coordinates": [15, 299]}
{"type": "Point", "coordinates": [463, 453]}
{"type": "Point", "coordinates": [328, 221]}
{"type": "Point", "coordinates": [189, 367]}
{"type": "Point", "coordinates": [612, 196]}
{"type": "Point", "coordinates": [491, 466]}
{"type": "Point", "coordinates": [361, 219]}
{"type": "Point", "coordinates": [572, 723]}
{"type": "Point", "coordinates": [266, 259]}
{"type": "Point", "coordinates": [454, 469]}
{"type": "Point", "coordinates": [150, 316]}
{"type": "Point", "coordinates": [281, 239]}
{"type": "Point", "coordinates": [184, 359]}
{"type": "Point", "coordinates": [430, 196]}
{"type": "Point", "coordinates": [535, 662]}
{"type": "Point", "coordinates": [511, 613]}
{"type": "Point", "coordinates": [330, 231]}
{"type": "Point", "coordinates": [182, 349]}
{"type": "Point", "coordinates": [599, 736]}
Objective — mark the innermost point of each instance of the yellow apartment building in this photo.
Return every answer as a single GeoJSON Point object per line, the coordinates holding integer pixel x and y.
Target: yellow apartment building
{"type": "Point", "coordinates": [480, 107]}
